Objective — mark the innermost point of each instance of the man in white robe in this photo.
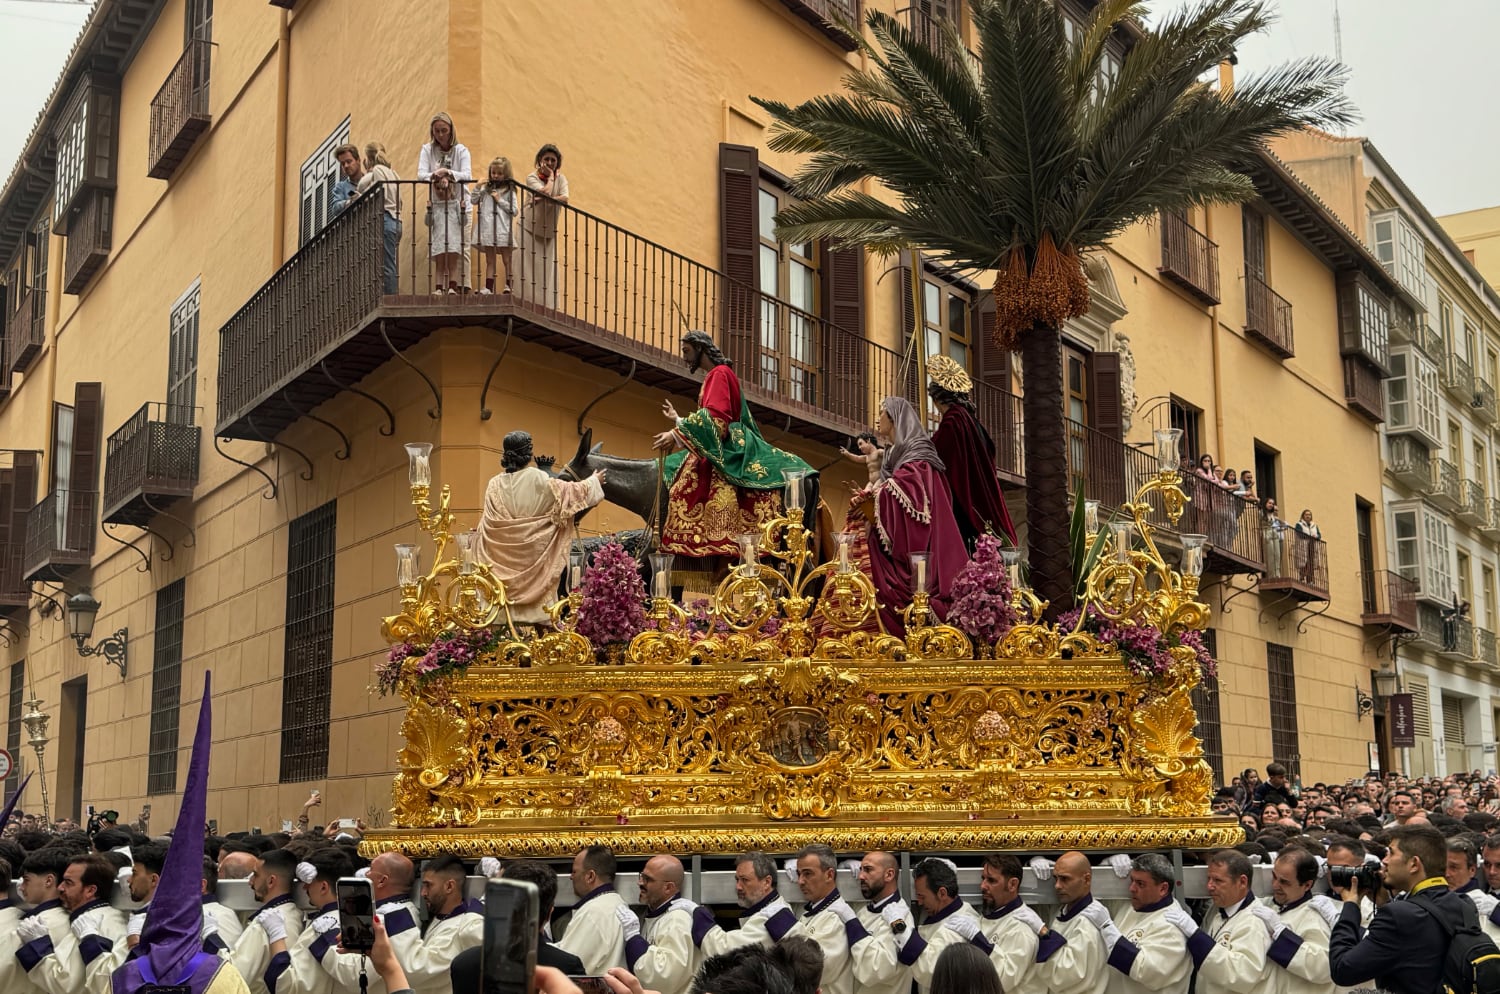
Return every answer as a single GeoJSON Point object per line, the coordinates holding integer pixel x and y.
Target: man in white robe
{"type": "Point", "coordinates": [527, 526]}
{"type": "Point", "coordinates": [1147, 952]}
{"type": "Point", "coordinates": [660, 950]}
{"type": "Point", "coordinates": [595, 934]}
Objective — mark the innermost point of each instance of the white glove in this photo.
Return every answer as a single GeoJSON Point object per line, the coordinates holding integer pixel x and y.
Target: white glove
{"type": "Point", "coordinates": [1268, 917]}
{"type": "Point", "coordinates": [852, 865]}
{"type": "Point", "coordinates": [896, 911]}
{"type": "Point", "coordinates": [1256, 859]}
{"type": "Point", "coordinates": [840, 907]}
{"type": "Point", "coordinates": [1322, 866]}
{"type": "Point", "coordinates": [790, 866]}
{"type": "Point", "coordinates": [87, 924]}
{"type": "Point", "coordinates": [137, 924]}
{"type": "Point", "coordinates": [628, 922]}
{"type": "Point", "coordinates": [547, 930]}
{"type": "Point", "coordinates": [326, 922]}
{"type": "Point", "coordinates": [1096, 913]}
{"type": "Point", "coordinates": [776, 907]}
{"type": "Point", "coordinates": [1042, 867]}
{"type": "Point", "coordinates": [1180, 919]}
{"type": "Point", "coordinates": [963, 925]}
{"type": "Point", "coordinates": [1029, 918]}
{"type": "Point", "coordinates": [1328, 907]}
{"type": "Point", "coordinates": [209, 928]}
{"type": "Point", "coordinates": [274, 925]}
{"type": "Point", "coordinates": [489, 867]}
{"type": "Point", "coordinates": [683, 904]}
{"type": "Point", "coordinates": [29, 929]}
{"type": "Point", "coordinates": [1110, 934]}
{"type": "Point", "coordinates": [1120, 863]}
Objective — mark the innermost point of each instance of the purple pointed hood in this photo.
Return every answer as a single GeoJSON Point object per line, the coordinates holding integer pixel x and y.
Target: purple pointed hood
{"type": "Point", "coordinates": [173, 926]}
{"type": "Point", "coordinates": [10, 805]}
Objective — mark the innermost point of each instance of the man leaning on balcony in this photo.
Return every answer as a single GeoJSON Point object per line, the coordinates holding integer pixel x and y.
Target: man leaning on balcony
{"type": "Point", "coordinates": [725, 479]}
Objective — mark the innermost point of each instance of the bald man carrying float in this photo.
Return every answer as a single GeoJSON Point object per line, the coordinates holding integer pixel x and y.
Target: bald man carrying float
{"type": "Point", "coordinates": [883, 916]}
{"type": "Point", "coordinates": [660, 951]}
{"type": "Point", "coordinates": [392, 876]}
{"type": "Point", "coordinates": [1080, 966]}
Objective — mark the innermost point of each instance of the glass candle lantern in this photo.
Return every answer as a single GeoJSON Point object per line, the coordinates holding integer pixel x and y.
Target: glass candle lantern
{"type": "Point", "coordinates": [466, 544]}
{"type": "Point", "coordinates": [1194, 548]}
{"type": "Point", "coordinates": [1011, 557]}
{"type": "Point", "coordinates": [919, 572]}
{"type": "Point", "coordinates": [1120, 534]}
{"type": "Point", "coordinates": [1091, 517]}
{"type": "Point", "coordinates": [1168, 448]}
{"type": "Point", "coordinates": [749, 544]}
{"type": "Point", "coordinates": [793, 478]}
{"type": "Point", "coordinates": [576, 559]}
{"type": "Point", "coordinates": [418, 463]}
{"type": "Point", "coordinates": [406, 564]}
{"type": "Point", "coordinates": [661, 574]}
{"type": "Point", "coordinates": [842, 539]}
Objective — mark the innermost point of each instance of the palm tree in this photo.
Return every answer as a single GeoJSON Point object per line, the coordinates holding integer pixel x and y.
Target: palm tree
{"type": "Point", "coordinates": [1020, 160]}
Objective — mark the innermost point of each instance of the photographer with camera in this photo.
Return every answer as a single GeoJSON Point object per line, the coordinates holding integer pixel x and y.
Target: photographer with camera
{"type": "Point", "coordinates": [1406, 947]}
{"type": "Point", "coordinates": [1348, 862]}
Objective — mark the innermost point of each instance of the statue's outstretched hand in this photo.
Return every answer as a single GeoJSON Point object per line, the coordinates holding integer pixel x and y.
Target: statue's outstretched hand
{"type": "Point", "coordinates": [665, 442]}
{"type": "Point", "coordinates": [599, 475]}
{"type": "Point", "coordinates": [669, 410]}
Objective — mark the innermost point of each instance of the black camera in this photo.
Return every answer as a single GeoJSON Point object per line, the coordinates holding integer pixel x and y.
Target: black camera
{"type": "Point", "coordinates": [1367, 875]}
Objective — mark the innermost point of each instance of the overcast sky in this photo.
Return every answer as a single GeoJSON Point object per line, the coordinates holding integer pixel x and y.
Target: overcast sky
{"type": "Point", "coordinates": [1421, 79]}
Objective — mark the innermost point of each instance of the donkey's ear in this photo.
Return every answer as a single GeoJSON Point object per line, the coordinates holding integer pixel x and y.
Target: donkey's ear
{"type": "Point", "coordinates": [584, 441]}
{"type": "Point", "coordinates": [596, 449]}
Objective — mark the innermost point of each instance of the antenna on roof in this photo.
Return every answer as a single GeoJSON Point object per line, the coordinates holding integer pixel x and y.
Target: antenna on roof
{"type": "Point", "coordinates": [1338, 33]}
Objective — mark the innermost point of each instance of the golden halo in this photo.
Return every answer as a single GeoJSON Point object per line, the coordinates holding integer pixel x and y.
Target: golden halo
{"type": "Point", "coordinates": [948, 374]}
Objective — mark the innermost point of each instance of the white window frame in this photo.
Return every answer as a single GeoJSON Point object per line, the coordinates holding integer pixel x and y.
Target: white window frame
{"type": "Point", "coordinates": [1415, 375]}
{"type": "Point", "coordinates": [182, 355]}
{"type": "Point", "coordinates": [1400, 248]}
{"type": "Point", "coordinates": [1437, 555]}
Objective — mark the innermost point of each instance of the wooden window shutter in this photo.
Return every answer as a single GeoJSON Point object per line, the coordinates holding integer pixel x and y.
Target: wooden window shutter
{"type": "Point", "coordinates": [7, 501]}
{"type": "Point", "coordinates": [843, 338]}
{"type": "Point", "coordinates": [23, 496]}
{"type": "Point", "coordinates": [1108, 407]}
{"type": "Point", "coordinates": [739, 252]}
{"type": "Point", "coordinates": [909, 386]}
{"type": "Point", "coordinates": [998, 412]}
{"type": "Point", "coordinates": [88, 425]}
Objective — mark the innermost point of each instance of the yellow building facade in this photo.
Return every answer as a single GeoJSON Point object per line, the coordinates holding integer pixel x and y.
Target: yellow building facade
{"type": "Point", "coordinates": [205, 391]}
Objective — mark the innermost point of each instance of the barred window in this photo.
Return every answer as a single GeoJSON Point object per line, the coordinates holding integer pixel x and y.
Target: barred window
{"type": "Point", "coordinates": [166, 691]}
{"type": "Point", "coordinates": [1206, 704]}
{"type": "Point", "coordinates": [307, 675]}
{"type": "Point", "coordinates": [1283, 698]}
{"type": "Point", "coordinates": [13, 725]}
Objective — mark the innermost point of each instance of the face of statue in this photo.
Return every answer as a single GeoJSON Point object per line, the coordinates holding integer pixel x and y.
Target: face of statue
{"type": "Point", "coordinates": [692, 355]}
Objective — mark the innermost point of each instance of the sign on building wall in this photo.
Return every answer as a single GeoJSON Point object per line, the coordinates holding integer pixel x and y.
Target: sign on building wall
{"type": "Point", "coordinates": [1398, 712]}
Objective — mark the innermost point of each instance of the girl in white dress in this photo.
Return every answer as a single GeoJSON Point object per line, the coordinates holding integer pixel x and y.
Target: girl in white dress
{"type": "Point", "coordinates": [494, 218]}
{"type": "Point", "coordinates": [445, 162]}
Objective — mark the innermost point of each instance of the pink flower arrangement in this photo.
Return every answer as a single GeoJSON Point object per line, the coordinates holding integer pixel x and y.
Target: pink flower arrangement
{"type": "Point", "coordinates": [1145, 650]}
{"type": "Point", "coordinates": [614, 598]}
{"type": "Point", "coordinates": [980, 605]}
{"type": "Point", "coordinates": [703, 623]}
{"type": "Point", "coordinates": [450, 655]}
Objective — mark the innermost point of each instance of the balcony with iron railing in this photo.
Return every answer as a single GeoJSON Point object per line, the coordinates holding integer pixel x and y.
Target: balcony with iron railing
{"type": "Point", "coordinates": [1188, 258]}
{"type": "Point", "coordinates": [1440, 630]}
{"type": "Point", "coordinates": [1458, 376]}
{"type": "Point", "coordinates": [1235, 527]}
{"type": "Point", "coordinates": [179, 111]}
{"type": "Point", "coordinates": [1268, 317]}
{"type": "Point", "coordinates": [604, 295]}
{"type": "Point", "coordinates": [60, 535]}
{"type": "Point", "coordinates": [1491, 525]}
{"type": "Point", "coordinates": [15, 592]}
{"type": "Point", "coordinates": [1430, 341]}
{"type": "Point", "coordinates": [1403, 327]}
{"type": "Point", "coordinates": [930, 29]}
{"type": "Point", "coordinates": [1296, 566]}
{"type": "Point", "coordinates": [1486, 652]}
{"type": "Point", "coordinates": [1000, 413]}
{"type": "Point", "coordinates": [1473, 506]}
{"type": "Point", "coordinates": [1362, 389]}
{"type": "Point", "coordinates": [1409, 461]}
{"type": "Point", "coordinates": [1445, 489]}
{"type": "Point", "coordinates": [1482, 401]}
{"type": "Point", "coordinates": [28, 329]}
{"type": "Point", "coordinates": [1390, 600]}
{"type": "Point", "coordinates": [151, 461]}
{"type": "Point", "coordinates": [825, 16]}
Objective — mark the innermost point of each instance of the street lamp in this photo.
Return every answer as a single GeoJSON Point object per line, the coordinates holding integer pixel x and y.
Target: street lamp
{"type": "Point", "coordinates": [1385, 682]}
{"type": "Point", "coordinates": [82, 610]}
{"type": "Point", "coordinates": [35, 720]}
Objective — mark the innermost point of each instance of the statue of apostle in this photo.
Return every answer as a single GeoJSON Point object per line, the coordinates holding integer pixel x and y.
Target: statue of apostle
{"type": "Point", "coordinates": [527, 526]}
{"type": "Point", "coordinates": [968, 451]}
{"type": "Point", "coordinates": [725, 478]}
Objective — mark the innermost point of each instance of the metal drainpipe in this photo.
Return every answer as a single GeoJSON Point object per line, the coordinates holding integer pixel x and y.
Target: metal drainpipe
{"type": "Point", "coordinates": [278, 194]}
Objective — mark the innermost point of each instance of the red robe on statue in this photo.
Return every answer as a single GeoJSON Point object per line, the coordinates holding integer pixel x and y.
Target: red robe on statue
{"type": "Point", "coordinates": [969, 454]}
{"type": "Point", "coordinates": [706, 513]}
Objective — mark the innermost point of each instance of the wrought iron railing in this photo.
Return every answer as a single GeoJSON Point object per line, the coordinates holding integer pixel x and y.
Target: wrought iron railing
{"type": "Point", "coordinates": [179, 111]}
{"type": "Point", "coordinates": [155, 452]}
{"type": "Point", "coordinates": [1447, 486]}
{"type": "Point", "coordinates": [1293, 557]}
{"type": "Point", "coordinates": [1233, 524]}
{"type": "Point", "coordinates": [14, 590]}
{"type": "Point", "coordinates": [1189, 258]}
{"type": "Point", "coordinates": [1482, 403]}
{"type": "Point", "coordinates": [1485, 649]}
{"type": "Point", "coordinates": [930, 29]}
{"type": "Point", "coordinates": [1362, 389]}
{"type": "Point", "coordinates": [1409, 460]}
{"type": "Point", "coordinates": [1107, 469]}
{"type": "Point", "coordinates": [1430, 341]}
{"type": "Point", "coordinates": [1389, 598]}
{"type": "Point", "coordinates": [825, 16]}
{"type": "Point", "coordinates": [28, 329]}
{"type": "Point", "coordinates": [1001, 414]}
{"type": "Point", "coordinates": [572, 271]}
{"type": "Point", "coordinates": [60, 530]}
{"type": "Point", "coordinates": [1492, 522]}
{"type": "Point", "coordinates": [1472, 504]}
{"type": "Point", "coordinates": [1268, 317]}
{"type": "Point", "coordinates": [1458, 376]}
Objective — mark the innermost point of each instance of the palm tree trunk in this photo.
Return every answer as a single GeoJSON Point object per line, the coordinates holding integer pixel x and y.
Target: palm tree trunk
{"type": "Point", "coordinates": [1047, 515]}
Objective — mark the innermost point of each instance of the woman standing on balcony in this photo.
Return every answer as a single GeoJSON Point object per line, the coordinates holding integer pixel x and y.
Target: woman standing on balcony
{"type": "Point", "coordinates": [445, 163]}
{"type": "Point", "coordinates": [909, 511]}
{"type": "Point", "coordinates": [378, 170]}
{"type": "Point", "coordinates": [1274, 532]}
{"type": "Point", "coordinates": [549, 188]}
{"type": "Point", "coordinates": [969, 453]}
{"type": "Point", "coordinates": [1309, 540]}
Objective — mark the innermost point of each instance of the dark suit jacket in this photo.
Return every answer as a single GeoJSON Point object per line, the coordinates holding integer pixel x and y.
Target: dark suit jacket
{"type": "Point", "coordinates": [1403, 951]}
{"type": "Point", "coordinates": [464, 971]}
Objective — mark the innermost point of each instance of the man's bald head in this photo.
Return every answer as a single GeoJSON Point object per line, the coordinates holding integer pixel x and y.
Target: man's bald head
{"type": "Point", "coordinates": [884, 860]}
{"type": "Point", "coordinates": [237, 866]}
{"type": "Point", "coordinates": [392, 875]}
{"type": "Point", "coordinates": [1073, 877]}
{"type": "Point", "coordinates": [661, 880]}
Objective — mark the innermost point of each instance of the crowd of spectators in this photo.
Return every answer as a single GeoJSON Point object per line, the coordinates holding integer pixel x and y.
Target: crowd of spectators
{"type": "Point", "coordinates": [1224, 494]}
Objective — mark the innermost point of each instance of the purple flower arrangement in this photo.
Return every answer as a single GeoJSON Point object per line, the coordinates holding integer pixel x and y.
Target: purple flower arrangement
{"type": "Point", "coordinates": [613, 610]}
{"type": "Point", "coordinates": [980, 605]}
{"type": "Point", "coordinates": [703, 623]}
{"type": "Point", "coordinates": [449, 655]}
{"type": "Point", "coordinates": [1145, 650]}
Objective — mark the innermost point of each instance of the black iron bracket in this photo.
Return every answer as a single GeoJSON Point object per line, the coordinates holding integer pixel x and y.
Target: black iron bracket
{"type": "Point", "coordinates": [112, 648]}
{"type": "Point", "coordinates": [306, 475]}
{"type": "Point", "coordinates": [55, 604]}
{"type": "Point", "coordinates": [145, 566]}
{"type": "Point", "coordinates": [389, 428]}
{"type": "Point", "coordinates": [9, 626]}
{"type": "Point", "coordinates": [1302, 625]}
{"type": "Point", "coordinates": [271, 488]}
{"type": "Point", "coordinates": [187, 543]}
{"type": "Point", "coordinates": [484, 411]}
{"type": "Point", "coordinates": [583, 414]}
{"type": "Point", "coordinates": [348, 446]}
{"type": "Point", "coordinates": [1224, 607]}
{"type": "Point", "coordinates": [435, 413]}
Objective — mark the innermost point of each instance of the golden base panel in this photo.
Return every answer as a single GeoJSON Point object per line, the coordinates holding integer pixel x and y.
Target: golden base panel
{"type": "Point", "coordinates": [817, 728]}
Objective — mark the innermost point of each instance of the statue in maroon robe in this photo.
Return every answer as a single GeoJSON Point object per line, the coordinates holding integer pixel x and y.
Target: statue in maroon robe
{"type": "Point", "coordinates": [968, 451]}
